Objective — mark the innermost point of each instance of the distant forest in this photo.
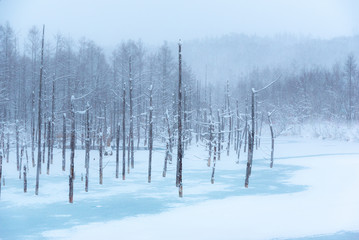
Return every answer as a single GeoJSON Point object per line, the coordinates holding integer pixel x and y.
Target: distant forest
{"type": "Point", "coordinates": [319, 79]}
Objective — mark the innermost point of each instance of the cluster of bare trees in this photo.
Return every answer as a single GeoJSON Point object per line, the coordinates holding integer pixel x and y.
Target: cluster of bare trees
{"type": "Point", "coordinates": [57, 93]}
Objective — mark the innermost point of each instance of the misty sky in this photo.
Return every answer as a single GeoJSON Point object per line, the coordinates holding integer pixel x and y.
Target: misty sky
{"type": "Point", "coordinates": [109, 21]}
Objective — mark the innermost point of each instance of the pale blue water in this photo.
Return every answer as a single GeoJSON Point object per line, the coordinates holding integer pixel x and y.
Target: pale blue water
{"type": "Point", "coordinates": [29, 223]}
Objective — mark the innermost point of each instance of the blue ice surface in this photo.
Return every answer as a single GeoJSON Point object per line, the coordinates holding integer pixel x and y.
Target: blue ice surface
{"type": "Point", "coordinates": [25, 222]}
{"type": "Point", "coordinates": [336, 236]}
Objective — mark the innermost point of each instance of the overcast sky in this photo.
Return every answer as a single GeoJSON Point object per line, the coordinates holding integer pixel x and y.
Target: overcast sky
{"type": "Point", "coordinates": [109, 21]}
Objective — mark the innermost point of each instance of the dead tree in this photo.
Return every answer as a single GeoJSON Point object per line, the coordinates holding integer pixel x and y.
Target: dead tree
{"type": "Point", "coordinates": [124, 131]}
{"type": "Point", "coordinates": [150, 136]}
{"type": "Point", "coordinates": [87, 143]}
{"type": "Point", "coordinates": [8, 147]}
{"type": "Point", "coordinates": [246, 127]}
{"type": "Point", "coordinates": [170, 142]}
{"type": "Point", "coordinates": [251, 134]}
{"type": "Point", "coordinates": [214, 162]}
{"type": "Point", "coordinates": [179, 114]}
{"type": "Point", "coordinates": [48, 147]}
{"type": "Point", "coordinates": [101, 155]}
{"type": "Point", "coordinates": [117, 149]}
{"type": "Point", "coordinates": [52, 120]}
{"type": "Point", "coordinates": [25, 180]}
{"type": "Point", "coordinates": [260, 131]}
{"type": "Point", "coordinates": [272, 136]}
{"type": "Point", "coordinates": [17, 146]}
{"type": "Point", "coordinates": [33, 128]}
{"type": "Point", "coordinates": [131, 113]}
{"type": "Point", "coordinates": [64, 142]}
{"type": "Point", "coordinates": [166, 159]}
{"type": "Point", "coordinates": [21, 156]}
{"type": "Point", "coordinates": [219, 135]}
{"type": "Point", "coordinates": [210, 140]}
{"type": "Point", "coordinates": [72, 146]}
{"type": "Point", "coordinates": [40, 115]}
{"type": "Point", "coordinates": [0, 171]}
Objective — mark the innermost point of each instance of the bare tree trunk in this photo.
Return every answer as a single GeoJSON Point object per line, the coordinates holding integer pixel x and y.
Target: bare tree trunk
{"type": "Point", "coordinates": [272, 136]}
{"type": "Point", "coordinates": [250, 143]}
{"type": "Point", "coordinates": [256, 123]}
{"type": "Point", "coordinates": [260, 131]}
{"type": "Point", "coordinates": [8, 147]}
{"type": "Point", "coordinates": [210, 142]}
{"type": "Point", "coordinates": [21, 156]}
{"type": "Point", "coordinates": [246, 126]}
{"type": "Point", "coordinates": [237, 131]}
{"type": "Point", "coordinates": [150, 135]}
{"type": "Point", "coordinates": [131, 115]}
{"type": "Point", "coordinates": [124, 132]}
{"type": "Point", "coordinates": [179, 144]}
{"type": "Point", "coordinates": [17, 147]}
{"type": "Point", "coordinates": [169, 137]}
{"type": "Point", "coordinates": [0, 171]}
{"type": "Point", "coordinates": [219, 135]}
{"type": "Point", "coordinates": [166, 159]}
{"type": "Point", "coordinates": [26, 154]}
{"type": "Point", "coordinates": [64, 142]}
{"type": "Point", "coordinates": [72, 145]}
{"type": "Point", "coordinates": [87, 154]}
{"type": "Point", "coordinates": [48, 147]}
{"type": "Point", "coordinates": [39, 115]}
{"type": "Point", "coordinates": [44, 138]}
{"type": "Point", "coordinates": [25, 180]}
{"type": "Point", "coordinates": [33, 128]}
{"type": "Point", "coordinates": [117, 149]}
{"type": "Point", "coordinates": [101, 156]}
{"type": "Point", "coordinates": [52, 121]}
{"type": "Point", "coordinates": [214, 162]}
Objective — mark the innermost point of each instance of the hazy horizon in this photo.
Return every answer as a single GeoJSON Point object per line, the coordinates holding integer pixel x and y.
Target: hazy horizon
{"type": "Point", "coordinates": [110, 22]}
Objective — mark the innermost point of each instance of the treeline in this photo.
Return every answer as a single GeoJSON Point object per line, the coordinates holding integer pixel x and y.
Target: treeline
{"type": "Point", "coordinates": [138, 95]}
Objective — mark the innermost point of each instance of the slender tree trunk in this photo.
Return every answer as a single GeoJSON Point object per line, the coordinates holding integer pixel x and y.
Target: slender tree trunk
{"type": "Point", "coordinates": [219, 135]}
{"type": "Point", "coordinates": [166, 159]}
{"type": "Point", "coordinates": [101, 156]}
{"type": "Point", "coordinates": [214, 162]}
{"type": "Point", "coordinates": [272, 136]}
{"type": "Point", "coordinates": [25, 180]}
{"type": "Point", "coordinates": [256, 123]}
{"type": "Point", "coordinates": [250, 143]}
{"type": "Point", "coordinates": [0, 171]}
{"type": "Point", "coordinates": [169, 137]}
{"type": "Point", "coordinates": [72, 145]}
{"type": "Point", "coordinates": [124, 132]}
{"type": "Point", "coordinates": [150, 135]}
{"type": "Point", "coordinates": [44, 138]}
{"type": "Point", "coordinates": [260, 131]}
{"type": "Point", "coordinates": [179, 144]}
{"type": "Point", "coordinates": [118, 150]}
{"type": "Point", "coordinates": [131, 114]}
{"type": "Point", "coordinates": [48, 147]}
{"type": "Point", "coordinates": [40, 115]}
{"type": "Point", "coordinates": [246, 126]}
{"type": "Point", "coordinates": [87, 154]}
{"type": "Point", "coordinates": [53, 121]}
{"type": "Point", "coordinates": [8, 148]}
{"type": "Point", "coordinates": [210, 142]}
{"type": "Point", "coordinates": [17, 147]}
{"type": "Point", "coordinates": [64, 142]}
{"type": "Point", "coordinates": [33, 129]}
{"type": "Point", "coordinates": [21, 156]}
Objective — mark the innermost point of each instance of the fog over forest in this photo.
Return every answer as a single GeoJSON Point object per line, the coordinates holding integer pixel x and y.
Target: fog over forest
{"type": "Point", "coordinates": [99, 99]}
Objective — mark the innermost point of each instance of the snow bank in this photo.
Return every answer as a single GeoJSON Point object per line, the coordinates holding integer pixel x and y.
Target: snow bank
{"type": "Point", "coordinates": [329, 205]}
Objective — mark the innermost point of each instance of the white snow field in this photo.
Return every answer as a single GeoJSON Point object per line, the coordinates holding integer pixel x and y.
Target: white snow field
{"type": "Point", "coordinates": [310, 193]}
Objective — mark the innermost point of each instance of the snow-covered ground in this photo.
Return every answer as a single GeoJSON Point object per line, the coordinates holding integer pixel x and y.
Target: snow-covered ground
{"type": "Point", "coordinates": [310, 193]}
